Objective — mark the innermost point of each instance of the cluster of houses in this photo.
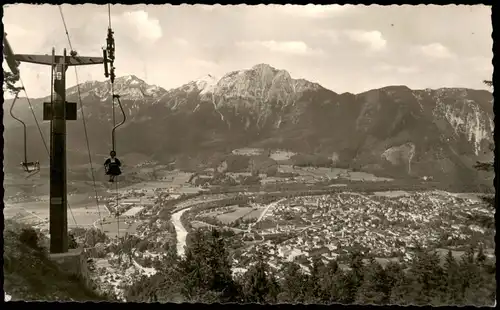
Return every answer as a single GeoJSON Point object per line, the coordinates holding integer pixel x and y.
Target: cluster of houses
{"type": "Point", "coordinates": [332, 225]}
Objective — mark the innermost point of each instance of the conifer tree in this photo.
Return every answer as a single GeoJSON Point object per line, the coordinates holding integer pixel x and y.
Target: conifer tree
{"type": "Point", "coordinates": [259, 284]}
{"type": "Point", "coordinates": [194, 267]}
{"type": "Point", "coordinates": [429, 275]}
{"type": "Point", "coordinates": [394, 274]}
{"type": "Point", "coordinates": [219, 263]}
{"type": "Point", "coordinates": [453, 280]}
{"type": "Point", "coordinates": [314, 292]}
{"type": "Point", "coordinates": [481, 257]}
{"type": "Point", "coordinates": [294, 284]}
{"type": "Point", "coordinates": [473, 288]}
{"type": "Point", "coordinates": [331, 283]}
{"type": "Point", "coordinates": [372, 290]}
{"type": "Point", "coordinates": [353, 278]}
{"type": "Point", "coordinates": [9, 81]}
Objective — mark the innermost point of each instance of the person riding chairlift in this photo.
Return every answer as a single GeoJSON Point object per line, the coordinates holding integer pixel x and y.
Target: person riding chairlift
{"type": "Point", "coordinates": [112, 166]}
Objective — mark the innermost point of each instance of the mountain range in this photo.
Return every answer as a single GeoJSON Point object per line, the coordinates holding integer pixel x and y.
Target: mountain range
{"type": "Point", "coordinates": [392, 130]}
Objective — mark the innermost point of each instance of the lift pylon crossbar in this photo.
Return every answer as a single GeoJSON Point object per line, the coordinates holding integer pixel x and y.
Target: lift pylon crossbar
{"type": "Point", "coordinates": [70, 60]}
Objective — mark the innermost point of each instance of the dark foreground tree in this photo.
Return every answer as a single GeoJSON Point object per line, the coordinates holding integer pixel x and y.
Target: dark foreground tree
{"type": "Point", "coordinates": [259, 283]}
{"type": "Point", "coordinates": [9, 82]}
{"type": "Point", "coordinates": [294, 284]}
{"type": "Point", "coordinates": [206, 268]}
{"type": "Point", "coordinates": [331, 283]}
{"type": "Point", "coordinates": [373, 290]}
{"type": "Point", "coordinates": [204, 275]}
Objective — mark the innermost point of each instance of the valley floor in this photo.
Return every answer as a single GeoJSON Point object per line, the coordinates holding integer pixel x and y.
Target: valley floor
{"type": "Point", "coordinates": [334, 225]}
{"type": "Point", "coordinates": [292, 224]}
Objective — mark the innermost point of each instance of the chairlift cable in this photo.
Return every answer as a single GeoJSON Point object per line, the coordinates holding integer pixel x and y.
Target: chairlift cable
{"type": "Point", "coordinates": [65, 28]}
{"type": "Point", "coordinates": [34, 115]}
{"type": "Point", "coordinates": [109, 58]}
{"type": "Point", "coordinates": [19, 120]}
{"type": "Point", "coordinates": [88, 147]}
{"type": "Point", "coordinates": [14, 67]}
{"type": "Point", "coordinates": [109, 14]}
{"type": "Point", "coordinates": [112, 80]}
{"type": "Point", "coordinates": [117, 211]}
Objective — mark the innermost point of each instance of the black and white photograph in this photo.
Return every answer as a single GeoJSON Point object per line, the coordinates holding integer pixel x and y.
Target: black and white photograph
{"type": "Point", "coordinates": [268, 154]}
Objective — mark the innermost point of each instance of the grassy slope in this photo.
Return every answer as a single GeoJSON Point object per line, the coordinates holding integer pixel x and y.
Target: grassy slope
{"type": "Point", "coordinates": [30, 275]}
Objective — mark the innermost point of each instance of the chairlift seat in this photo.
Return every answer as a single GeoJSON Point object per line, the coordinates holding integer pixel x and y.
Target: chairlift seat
{"type": "Point", "coordinates": [113, 168]}
{"type": "Point", "coordinates": [31, 166]}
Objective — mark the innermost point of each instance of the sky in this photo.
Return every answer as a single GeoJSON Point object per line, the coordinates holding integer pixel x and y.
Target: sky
{"type": "Point", "coordinates": [343, 48]}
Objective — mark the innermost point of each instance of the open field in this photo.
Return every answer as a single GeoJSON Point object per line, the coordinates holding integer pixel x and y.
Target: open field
{"type": "Point", "coordinates": [176, 180]}
{"type": "Point", "coordinates": [281, 155]}
{"type": "Point", "coordinates": [133, 211]}
{"type": "Point", "coordinates": [236, 213]}
{"type": "Point", "coordinates": [79, 217]}
{"type": "Point", "coordinates": [254, 214]}
{"type": "Point", "coordinates": [332, 173]}
{"type": "Point", "coordinates": [27, 200]}
{"type": "Point", "coordinates": [83, 210]}
{"type": "Point", "coordinates": [113, 228]}
{"type": "Point", "coordinates": [247, 151]}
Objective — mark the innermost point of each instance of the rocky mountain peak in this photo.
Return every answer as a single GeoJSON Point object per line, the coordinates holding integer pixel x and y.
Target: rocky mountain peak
{"type": "Point", "coordinates": [128, 87]}
{"type": "Point", "coordinates": [262, 80]}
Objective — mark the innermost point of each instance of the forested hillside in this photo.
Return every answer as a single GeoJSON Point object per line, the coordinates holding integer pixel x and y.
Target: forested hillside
{"type": "Point", "coordinates": [204, 275]}
{"type": "Point", "coordinates": [30, 275]}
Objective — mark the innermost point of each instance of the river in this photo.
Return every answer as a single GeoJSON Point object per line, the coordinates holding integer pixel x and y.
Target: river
{"type": "Point", "coordinates": [180, 231]}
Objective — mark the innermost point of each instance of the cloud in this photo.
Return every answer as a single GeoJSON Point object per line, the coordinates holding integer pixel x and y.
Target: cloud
{"type": "Point", "coordinates": [436, 50]}
{"type": "Point", "coordinates": [331, 35]}
{"type": "Point", "coordinates": [288, 47]}
{"type": "Point", "coordinates": [23, 40]}
{"type": "Point", "coordinates": [145, 28]}
{"type": "Point", "coordinates": [180, 41]}
{"type": "Point", "coordinates": [201, 63]}
{"type": "Point", "coordinates": [409, 69]}
{"type": "Point", "coordinates": [388, 68]}
{"type": "Point", "coordinates": [15, 30]}
{"type": "Point", "coordinates": [479, 64]}
{"type": "Point", "coordinates": [373, 39]}
{"type": "Point", "coordinates": [136, 30]}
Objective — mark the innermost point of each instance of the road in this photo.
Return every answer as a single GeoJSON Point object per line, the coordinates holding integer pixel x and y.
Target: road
{"type": "Point", "coordinates": [147, 271]}
{"type": "Point", "coordinates": [237, 230]}
{"type": "Point", "coordinates": [271, 205]}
